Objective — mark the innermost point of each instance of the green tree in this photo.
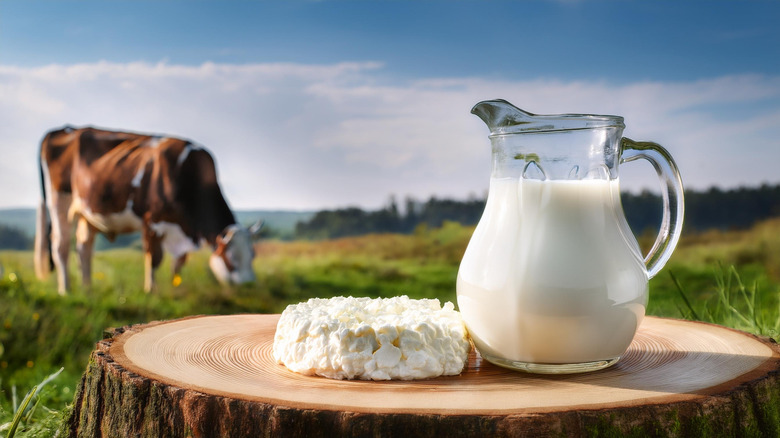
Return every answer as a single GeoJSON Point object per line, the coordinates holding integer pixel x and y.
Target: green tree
{"type": "Point", "coordinates": [13, 238]}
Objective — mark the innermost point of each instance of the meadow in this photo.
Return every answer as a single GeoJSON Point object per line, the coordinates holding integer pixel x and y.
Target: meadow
{"type": "Point", "coordinates": [727, 277]}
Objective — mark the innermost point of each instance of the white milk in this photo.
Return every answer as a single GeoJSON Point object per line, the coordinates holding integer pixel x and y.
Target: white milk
{"type": "Point", "coordinates": [552, 274]}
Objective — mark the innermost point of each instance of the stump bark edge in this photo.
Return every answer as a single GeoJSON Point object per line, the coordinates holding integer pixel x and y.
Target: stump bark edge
{"type": "Point", "coordinates": [113, 402]}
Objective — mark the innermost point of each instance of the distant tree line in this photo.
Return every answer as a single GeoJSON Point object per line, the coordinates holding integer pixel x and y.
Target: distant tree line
{"type": "Point", "coordinates": [714, 208]}
{"type": "Point", "coordinates": [13, 238]}
{"type": "Point", "coordinates": [354, 221]}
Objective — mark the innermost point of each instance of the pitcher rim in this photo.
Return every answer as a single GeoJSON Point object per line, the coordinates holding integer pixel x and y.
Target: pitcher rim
{"type": "Point", "coordinates": [521, 121]}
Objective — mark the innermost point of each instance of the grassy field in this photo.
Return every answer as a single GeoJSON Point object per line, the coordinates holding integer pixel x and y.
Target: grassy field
{"type": "Point", "coordinates": [731, 278]}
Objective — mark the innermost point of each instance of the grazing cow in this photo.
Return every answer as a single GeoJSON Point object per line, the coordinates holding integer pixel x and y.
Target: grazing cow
{"type": "Point", "coordinates": [120, 182]}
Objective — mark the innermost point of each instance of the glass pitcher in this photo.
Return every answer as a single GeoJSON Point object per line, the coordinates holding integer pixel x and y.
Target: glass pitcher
{"type": "Point", "coordinates": [553, 280]}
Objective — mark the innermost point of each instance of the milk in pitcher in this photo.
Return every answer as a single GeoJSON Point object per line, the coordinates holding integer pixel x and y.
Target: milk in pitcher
{"type": "Point", "coordinates": [552, 274]}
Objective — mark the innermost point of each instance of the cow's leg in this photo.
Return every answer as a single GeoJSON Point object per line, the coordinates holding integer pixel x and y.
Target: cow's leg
{"type": "Point", "coordinates": [177, 265]}
{"type": "Point", "coordinates": [85, 241]}
{"type": "Point", "coordinates": [59, 204]}
{"type": "Point", "coordinates": [43, 258]}
{"type": "Point", "coordinates": [153, 255]}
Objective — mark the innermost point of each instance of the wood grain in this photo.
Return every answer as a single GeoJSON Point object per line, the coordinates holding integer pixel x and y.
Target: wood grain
{"type": "Point", "coordinates": [672, 366]}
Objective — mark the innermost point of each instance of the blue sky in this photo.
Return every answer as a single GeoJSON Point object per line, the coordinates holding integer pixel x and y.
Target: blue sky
{"type": "Point", "coordinates": [615, 40]}
{"type": "Point", "coordinates": [318, 104]}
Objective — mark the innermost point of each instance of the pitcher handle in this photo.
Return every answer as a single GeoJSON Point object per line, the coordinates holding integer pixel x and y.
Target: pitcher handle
{"type": "Point", "coordinates": [671, 223]}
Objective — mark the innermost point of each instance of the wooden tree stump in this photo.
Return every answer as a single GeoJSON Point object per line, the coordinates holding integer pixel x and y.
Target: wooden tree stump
{"type": "Point", "coordinates": [215, 376]}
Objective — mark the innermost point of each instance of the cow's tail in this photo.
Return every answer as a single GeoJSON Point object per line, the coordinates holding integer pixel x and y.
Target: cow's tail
{"type": "Point", "coordinates": [43, 261]}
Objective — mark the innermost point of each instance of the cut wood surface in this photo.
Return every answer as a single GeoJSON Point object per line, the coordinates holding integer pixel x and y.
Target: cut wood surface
{"type": "Point", "coordinates": [216, 376]}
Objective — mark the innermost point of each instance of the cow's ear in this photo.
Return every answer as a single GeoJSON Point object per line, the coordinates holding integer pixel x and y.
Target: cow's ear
{"type": "Point", "coordinates": [228, 235]}
{"type": "Point", "coordinates": [255, 229]}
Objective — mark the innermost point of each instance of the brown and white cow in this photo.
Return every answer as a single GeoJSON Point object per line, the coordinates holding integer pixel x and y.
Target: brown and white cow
{"type": "Point", "coordinates": [120, 182]}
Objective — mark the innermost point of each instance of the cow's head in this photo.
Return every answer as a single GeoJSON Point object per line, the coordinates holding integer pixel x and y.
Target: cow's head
{"type": "Point", "coordinates": [231, 261]}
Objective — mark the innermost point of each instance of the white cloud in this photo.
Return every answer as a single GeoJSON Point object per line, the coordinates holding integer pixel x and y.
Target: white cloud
{"type": "Point", "coordinates": [313, 136]}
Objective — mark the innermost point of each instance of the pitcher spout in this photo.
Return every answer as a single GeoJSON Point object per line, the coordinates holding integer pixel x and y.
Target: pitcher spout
{"type": "Point", "coordinates": [498, 115]}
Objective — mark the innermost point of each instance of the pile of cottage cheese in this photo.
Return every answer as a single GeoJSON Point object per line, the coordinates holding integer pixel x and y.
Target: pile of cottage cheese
{"type": "Point", "coordinates": [372, 339]}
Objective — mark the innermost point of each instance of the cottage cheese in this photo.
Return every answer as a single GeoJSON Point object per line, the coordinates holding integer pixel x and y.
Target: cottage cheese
{"type": "Point", "coordinates": [372, 339]}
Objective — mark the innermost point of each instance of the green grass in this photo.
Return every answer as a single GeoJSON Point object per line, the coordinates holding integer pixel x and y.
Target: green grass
{"type": "Point", "coordinates": [734, 305]}
{"type": "Point", "coordinates": [730, 278]}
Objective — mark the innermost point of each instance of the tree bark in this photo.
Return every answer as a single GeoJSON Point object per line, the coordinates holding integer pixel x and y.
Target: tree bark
{"type": "Point", "coordinates": [215, 376]}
